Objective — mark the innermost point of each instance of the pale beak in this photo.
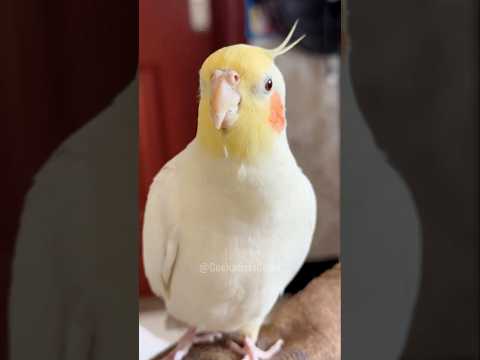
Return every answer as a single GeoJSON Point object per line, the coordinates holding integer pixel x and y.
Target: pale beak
{"type": "Point", "coordinates": [225, 98]}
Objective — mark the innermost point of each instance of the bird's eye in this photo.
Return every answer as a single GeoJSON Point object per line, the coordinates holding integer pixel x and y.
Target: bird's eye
{"type": "Point", "coordinates": [268, 84]}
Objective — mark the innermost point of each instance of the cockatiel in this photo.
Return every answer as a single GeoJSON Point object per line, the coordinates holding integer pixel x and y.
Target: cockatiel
{"type": "Point", "coordinates": [229, 220]}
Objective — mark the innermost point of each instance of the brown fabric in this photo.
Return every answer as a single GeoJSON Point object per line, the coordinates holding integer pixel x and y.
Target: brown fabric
{"type": "Point", "coordinates": [308, 322]}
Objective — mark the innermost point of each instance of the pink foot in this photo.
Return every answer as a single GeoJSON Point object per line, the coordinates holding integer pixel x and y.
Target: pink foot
{"type": "Point", "coordinates": [252, 352]}
{"type": "Point", "coordinates": [189, 339]}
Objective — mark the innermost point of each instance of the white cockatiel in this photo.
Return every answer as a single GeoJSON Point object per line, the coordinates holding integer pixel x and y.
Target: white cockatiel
{"type": "Point", "coordinates": [229, 221]}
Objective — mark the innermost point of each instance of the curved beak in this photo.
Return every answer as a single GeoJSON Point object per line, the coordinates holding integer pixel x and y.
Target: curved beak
{"type": "Point", "coordinates": [225, 98]}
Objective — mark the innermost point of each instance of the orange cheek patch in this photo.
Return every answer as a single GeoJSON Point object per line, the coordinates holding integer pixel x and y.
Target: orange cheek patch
{"type": "Point", "coordinates": [277, 117]}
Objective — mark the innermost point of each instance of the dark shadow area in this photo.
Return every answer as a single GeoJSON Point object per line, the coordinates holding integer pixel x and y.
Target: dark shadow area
{"type": "Point", "coordinates": [309, 271]}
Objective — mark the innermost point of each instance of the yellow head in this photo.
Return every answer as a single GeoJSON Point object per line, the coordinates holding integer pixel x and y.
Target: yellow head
{"type": "Point", "coordinates": [242, 100]}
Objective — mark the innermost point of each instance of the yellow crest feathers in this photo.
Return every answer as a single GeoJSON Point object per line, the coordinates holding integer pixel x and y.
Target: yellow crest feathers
{"type": "Point", "coordinates": [284, 47]}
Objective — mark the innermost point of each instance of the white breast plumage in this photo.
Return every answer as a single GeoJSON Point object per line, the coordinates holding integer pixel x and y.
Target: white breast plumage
{"type": "Point", "coordinates": [223, 239]}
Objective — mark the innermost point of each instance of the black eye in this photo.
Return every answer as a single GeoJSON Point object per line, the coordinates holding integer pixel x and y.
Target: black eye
{"type": "Point", "coordinates": [268, 85]}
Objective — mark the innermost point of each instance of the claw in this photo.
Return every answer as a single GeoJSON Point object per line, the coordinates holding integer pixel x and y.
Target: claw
{"type": "Point", "coordinates": [189, 339]}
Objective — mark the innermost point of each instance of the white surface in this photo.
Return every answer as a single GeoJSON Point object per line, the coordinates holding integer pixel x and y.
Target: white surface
{"type": "Point", "coordinates": [149, 345]}
{"type": "Point", "coordinates": [155, 329]}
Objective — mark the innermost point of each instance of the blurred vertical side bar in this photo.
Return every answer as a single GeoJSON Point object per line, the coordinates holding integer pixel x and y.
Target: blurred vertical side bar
{"type": "Point", "coordinates": [414, 73]}
{"type": "Point", "coordinates": [63, 63]}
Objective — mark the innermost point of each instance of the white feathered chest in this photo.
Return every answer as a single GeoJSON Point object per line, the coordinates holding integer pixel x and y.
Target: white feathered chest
{"type": "Point", "coordinates": [239, 232]}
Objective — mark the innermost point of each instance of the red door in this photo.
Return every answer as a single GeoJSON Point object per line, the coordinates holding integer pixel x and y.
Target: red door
{"type": "Point", "coordinates": [171, 53]}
